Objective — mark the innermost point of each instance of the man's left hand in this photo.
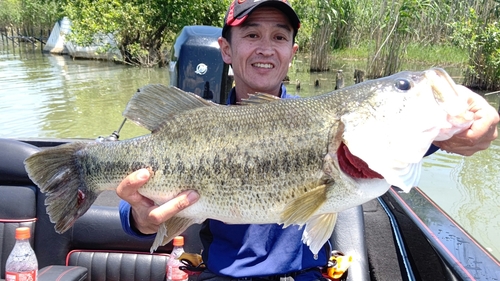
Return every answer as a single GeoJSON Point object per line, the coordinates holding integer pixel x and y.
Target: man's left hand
{"type": "Point", "coordinates": [482, 131]}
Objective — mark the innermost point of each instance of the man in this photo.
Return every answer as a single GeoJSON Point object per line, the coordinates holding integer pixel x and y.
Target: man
{"type": "Point", "coordinates": [258, 40]}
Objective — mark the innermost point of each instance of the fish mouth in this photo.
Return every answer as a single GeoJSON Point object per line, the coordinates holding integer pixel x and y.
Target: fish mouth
{"type": "Point", "coordinates": [353, 165]}
{"type": "Point", "coordinates": [441, 84]}
{"type": "Point", "coordinates": [451, 100]}
{"type": "Point", "coordinates": [445, 90]}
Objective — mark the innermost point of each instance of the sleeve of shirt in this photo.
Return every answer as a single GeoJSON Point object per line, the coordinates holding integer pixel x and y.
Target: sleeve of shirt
{"type": "Point", "coordinates": [124, 209]}
{"type": "Point", "coordinates": [431, 150]}
{"type": "Point", "coordinates": [286, 95]}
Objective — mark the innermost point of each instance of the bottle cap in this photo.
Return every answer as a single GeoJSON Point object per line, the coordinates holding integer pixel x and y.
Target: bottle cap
{"type": "Point", "coordinates": [178, 241]}
{"type": "Point", "coordinates": [23, 233]}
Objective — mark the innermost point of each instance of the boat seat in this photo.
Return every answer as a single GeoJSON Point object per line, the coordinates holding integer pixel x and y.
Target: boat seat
{"type": "Point", "coordinates": [348, 237]}
{"type": "Point", "coordinates": [17, 208]}
{"type": "Point", "coordinates": [13, 153]}
{"type": "Point", "coordinates": [98, 233]}
{"type": "Point", "coordinates": [18, 204]}
{"type": "Point", "coordinates": [123, 266]}
{"type": "Point", "coordinates": [18, 197]}
{"type": "Point", "coordinates": [100, 244]}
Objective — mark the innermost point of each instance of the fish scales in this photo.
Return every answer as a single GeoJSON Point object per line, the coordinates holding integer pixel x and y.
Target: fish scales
{"type": "Point", "coordinates": [275, 161]}
{"type": "Point", "coordinates": [289, 156]}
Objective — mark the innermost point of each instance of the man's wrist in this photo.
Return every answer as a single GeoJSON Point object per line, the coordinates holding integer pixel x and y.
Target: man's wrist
{"type": "Point", "coordinates": [127, 222]}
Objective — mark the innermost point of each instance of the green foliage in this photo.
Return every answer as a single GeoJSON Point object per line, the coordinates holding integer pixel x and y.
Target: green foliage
{"type": "Point", "coordinates": [437, 55]}
{"type": "Point", "coordinates": [10, 12]}
{"type": "Point", "coordinates": [384, 32]}
{"type": "Point", "coordinates": [325, 25]}
{"type": "Point", "coordinates": [336, 14]}
{"type": "Point", "coordinates": [140, 27]}
{"type": "Point", "coordinates": [480, 36]}
{"type": "Point", "coordinates": [305, 10]}
{"type": "Point", "coordinates": [29, 14]}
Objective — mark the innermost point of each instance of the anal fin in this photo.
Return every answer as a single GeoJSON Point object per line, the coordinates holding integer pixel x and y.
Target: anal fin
{"type": "Point", "coordinates": [169, 229]}
{"type": "Point", "coordinates": [318, 230]}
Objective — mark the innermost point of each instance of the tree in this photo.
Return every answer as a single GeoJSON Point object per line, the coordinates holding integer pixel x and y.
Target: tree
{"type": "Point", "coordinates": [140, 27]}
{"type": "Point", "coordinates": [479, 33]}
{"type": "Point", "coordinates": [29, 16]}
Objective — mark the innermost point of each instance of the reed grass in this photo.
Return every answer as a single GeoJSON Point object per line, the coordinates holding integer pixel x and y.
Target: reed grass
{"type": "Point", "coordinates": [437, 54]}
{"type": "Point", "coordinates": [442, 54]}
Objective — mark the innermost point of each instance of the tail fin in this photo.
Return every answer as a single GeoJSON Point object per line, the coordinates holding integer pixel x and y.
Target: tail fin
{"type": "Point", "coordinates": [56, 172]}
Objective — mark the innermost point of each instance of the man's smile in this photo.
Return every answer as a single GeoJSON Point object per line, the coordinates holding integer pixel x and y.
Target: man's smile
{"type": "Point", "coordinates": [263, 65]}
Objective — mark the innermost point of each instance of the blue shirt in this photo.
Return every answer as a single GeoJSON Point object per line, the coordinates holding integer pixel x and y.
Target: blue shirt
{"type": "Point", "coordinates": [231, 99]}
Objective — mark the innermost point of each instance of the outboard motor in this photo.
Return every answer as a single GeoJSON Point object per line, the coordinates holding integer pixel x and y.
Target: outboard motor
{"type": "Point", "coordinates": [196, 64]}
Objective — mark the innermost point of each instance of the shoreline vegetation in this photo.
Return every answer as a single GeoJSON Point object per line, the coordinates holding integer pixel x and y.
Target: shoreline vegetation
{"type": "Point", "coordinates": [386, 34]}
{"type": "Point", "coordinates": [443, 55]}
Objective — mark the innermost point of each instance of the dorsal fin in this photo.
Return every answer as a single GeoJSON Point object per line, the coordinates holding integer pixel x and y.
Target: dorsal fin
{"type": "Point", "coordinates": [153, 104]}
{"type": "Point", "coordinates": [258, 98]}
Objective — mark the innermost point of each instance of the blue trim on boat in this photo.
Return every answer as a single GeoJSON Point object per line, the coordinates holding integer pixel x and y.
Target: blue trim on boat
{"type": "Point", "coordinates": [399, 240]}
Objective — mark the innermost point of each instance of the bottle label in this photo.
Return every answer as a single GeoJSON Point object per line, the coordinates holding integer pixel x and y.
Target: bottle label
{"type": "Point", "coordinates": [174, 273]}
{"type": "Point", "coordinates": [21, 276]}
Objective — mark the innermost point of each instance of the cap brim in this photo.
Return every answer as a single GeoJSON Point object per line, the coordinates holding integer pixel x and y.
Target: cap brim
{"type": "Point", "coordinates": [282, 6]}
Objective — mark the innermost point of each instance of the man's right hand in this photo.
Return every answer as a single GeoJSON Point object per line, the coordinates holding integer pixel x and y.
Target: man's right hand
{"type": "Point", "coordinates": [146, 215]}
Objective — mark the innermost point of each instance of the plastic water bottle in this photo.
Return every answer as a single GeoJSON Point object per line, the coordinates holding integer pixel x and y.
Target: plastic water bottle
{"type": "Point", "coordinates": [22, 264]}
{"type": "Point", "coordinates": [173, 271]}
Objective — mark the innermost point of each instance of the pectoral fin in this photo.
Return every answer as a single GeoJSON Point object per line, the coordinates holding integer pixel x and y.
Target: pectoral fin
{"type": "Point", "coordinates": [258, 98]}
{"type": "Point", "coordinates": [169, 229]}
{"type": "Point", "coordinates": [300, 210]}
{"type": "Point", "coordinates": [318, 231]}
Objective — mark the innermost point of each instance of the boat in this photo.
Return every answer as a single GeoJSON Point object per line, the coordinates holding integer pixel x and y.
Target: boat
{"type": "Point", "coordinates": [103, 46]}
{"type": "Point", "coordinates": [398, 236]}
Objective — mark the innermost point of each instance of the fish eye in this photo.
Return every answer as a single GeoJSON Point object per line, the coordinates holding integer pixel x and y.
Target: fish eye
{"type": "Point", "coordinates": [403, 84]}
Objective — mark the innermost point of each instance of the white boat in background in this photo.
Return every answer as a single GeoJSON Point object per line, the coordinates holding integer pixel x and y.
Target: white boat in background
{"type": "Point", "coordinates": [56, 44]}
{"type": "Point", "coordinates": [103, 48]}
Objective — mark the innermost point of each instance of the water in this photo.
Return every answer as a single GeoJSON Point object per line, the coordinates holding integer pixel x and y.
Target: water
{"type": "Point", "coordinates": [46, 96]}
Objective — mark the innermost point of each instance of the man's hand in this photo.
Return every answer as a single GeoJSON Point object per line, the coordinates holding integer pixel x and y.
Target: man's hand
{"type": "Point", "coordinates": [480, 134]}
{"type": "Point", "coordinates": [146, 216]}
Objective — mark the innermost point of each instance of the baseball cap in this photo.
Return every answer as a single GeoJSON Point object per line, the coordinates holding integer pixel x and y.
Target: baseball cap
{"type": "Point", "coordinates": [240, 9]}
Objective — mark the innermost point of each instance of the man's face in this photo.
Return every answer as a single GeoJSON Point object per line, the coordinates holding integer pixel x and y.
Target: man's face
{"type": "Point", "coordinates": [260, 51]}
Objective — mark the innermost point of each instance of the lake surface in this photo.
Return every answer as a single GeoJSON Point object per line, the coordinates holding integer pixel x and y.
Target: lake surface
{"type": "Point", "coordinates": [46, 96]}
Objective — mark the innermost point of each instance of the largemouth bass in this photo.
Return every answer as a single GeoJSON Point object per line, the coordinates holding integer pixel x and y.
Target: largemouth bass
{"type": "Point", "coordinates": [290, 161]}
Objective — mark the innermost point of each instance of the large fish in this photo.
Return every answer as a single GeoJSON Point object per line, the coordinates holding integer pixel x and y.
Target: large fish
{"type": "Point", "coordinates": [290, 161]}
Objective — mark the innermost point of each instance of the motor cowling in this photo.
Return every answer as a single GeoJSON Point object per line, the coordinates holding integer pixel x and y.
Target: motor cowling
{"type": "Point", "coordinates": [196, 64]}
